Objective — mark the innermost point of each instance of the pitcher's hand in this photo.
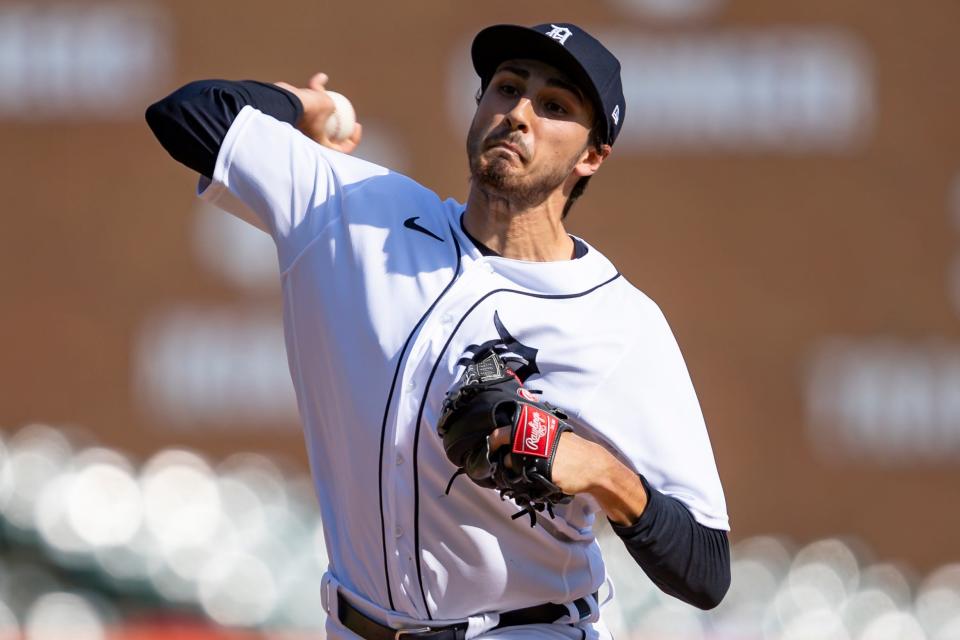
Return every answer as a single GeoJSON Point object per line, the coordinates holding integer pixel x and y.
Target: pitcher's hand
{"type": "Point", "coordinates": [317, 109]}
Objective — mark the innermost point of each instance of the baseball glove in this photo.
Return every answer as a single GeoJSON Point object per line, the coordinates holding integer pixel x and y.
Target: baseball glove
{"type": "Point", "coordinates": [489, 396]}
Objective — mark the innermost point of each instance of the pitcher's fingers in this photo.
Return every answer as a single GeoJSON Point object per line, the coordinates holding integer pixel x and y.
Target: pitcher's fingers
{"type": "Point", "coordinates": [348, 145]}
{"type": "Point", "coordinates": [318, 80]}
{"type": "Point", "coordinates": [499, 438]}
{"type": "Point", "coordinates": [357, 134]}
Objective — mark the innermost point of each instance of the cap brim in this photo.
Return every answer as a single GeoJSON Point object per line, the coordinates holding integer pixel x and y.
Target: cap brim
{"type": "Point", "coordinates": [499, 43]}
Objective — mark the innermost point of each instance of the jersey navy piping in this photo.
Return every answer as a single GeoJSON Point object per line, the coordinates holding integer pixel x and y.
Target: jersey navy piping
{"type": "Point", "coordinates": [386, 409]}
{"type": "Point", "coordinates": [426, 391]}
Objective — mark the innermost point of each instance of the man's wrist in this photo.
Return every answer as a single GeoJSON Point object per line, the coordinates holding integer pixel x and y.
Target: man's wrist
{"type": "Point", "coordinates": [619, 491]}
{"type": "Point", "coordinates": [299, 97]}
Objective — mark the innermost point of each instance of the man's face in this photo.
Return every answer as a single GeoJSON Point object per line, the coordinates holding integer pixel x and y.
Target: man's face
{"type": "Point", "coordinates": [529, 133]}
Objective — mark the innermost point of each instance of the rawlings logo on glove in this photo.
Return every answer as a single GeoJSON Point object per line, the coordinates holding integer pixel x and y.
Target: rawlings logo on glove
{"type": "Point", "coordinates": [490, 396]}
{"type": "Point", "coordinates": [535, 432]}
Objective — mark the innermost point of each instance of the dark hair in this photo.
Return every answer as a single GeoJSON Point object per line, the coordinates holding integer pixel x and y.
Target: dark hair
{"type": "Point", "coordinates": [595, 139]}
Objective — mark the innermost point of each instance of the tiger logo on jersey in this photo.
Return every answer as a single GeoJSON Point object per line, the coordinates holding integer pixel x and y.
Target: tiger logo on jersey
{"type": "Point", "coordinates": [521, 359]}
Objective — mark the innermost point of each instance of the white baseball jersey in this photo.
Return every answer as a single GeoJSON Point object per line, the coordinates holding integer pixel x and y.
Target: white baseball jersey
{"type": "Point", "coordinates": [383, 296]}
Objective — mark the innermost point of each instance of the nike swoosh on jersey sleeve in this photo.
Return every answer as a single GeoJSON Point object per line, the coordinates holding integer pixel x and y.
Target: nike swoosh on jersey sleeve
{"type": "Point", "coordinates": [411, 223]}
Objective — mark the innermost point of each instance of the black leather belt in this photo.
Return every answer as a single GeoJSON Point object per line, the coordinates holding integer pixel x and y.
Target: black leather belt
{"type": "Point", "coordinates": [369, 629]}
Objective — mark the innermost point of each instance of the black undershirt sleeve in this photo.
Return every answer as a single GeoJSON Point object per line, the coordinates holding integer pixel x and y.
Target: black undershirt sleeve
{"type": "Point", "coordinates": [192, 122]}
{"type": "Point", "coordinates": [681, 556]}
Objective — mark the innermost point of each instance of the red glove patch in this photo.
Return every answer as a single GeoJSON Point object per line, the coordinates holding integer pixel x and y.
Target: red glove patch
{"type": "Point", "coordinates": [535, 432]}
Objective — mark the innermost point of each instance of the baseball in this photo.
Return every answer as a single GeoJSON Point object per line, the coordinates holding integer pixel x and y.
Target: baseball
{"type": "Point", "coordinates": [341, 122]}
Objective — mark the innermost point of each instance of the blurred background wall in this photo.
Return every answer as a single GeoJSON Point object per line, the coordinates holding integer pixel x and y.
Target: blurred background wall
{"type": "Point", "coordinates": [786, 187]}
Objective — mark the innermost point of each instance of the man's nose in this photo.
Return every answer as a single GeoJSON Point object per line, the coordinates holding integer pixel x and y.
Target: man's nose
{"type": "Point", "coordinates": [519, 116]}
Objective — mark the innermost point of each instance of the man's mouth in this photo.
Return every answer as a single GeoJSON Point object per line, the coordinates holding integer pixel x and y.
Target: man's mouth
{"type": "Point", "coordinates": [509, 146]}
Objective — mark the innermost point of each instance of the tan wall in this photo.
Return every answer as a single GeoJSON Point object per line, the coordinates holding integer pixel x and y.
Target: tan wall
{"type": "Point", "coordinates": [791, 272]}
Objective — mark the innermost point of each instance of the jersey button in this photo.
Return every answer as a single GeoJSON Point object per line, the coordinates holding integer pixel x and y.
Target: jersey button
{"type": "Point", "coordinates": [398, 532]}
{"type": "Point", "coordinates": [412, 385]}
{"type": "Point", "coordinates": [446, 319]}
{"type": "Point", "coordinates": [399, 459]}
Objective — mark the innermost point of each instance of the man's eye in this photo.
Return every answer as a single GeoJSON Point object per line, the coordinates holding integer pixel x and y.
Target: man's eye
{"type": "Point", "coordinates": [555, 108]}
{"type": "Point", "coordinates": [508, 90]}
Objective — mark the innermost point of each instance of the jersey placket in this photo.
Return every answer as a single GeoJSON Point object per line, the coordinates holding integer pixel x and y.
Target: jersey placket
{"type": "Point", "coordinates": [400, 509]}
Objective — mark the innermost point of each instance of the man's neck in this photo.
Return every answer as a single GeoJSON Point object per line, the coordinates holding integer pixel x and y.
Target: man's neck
{"type": "Point", "coordinates": [535, 234]}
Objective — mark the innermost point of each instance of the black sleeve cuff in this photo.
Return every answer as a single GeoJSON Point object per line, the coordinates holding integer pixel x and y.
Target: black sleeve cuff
{"type": "Point", "coordinates": [641, 528]}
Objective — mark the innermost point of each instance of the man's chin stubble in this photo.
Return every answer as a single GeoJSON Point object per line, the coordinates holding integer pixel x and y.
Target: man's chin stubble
{"type": "Point", "coordinates": [497, 183]}
{"type": "Point", "coordinates": [498, 186]}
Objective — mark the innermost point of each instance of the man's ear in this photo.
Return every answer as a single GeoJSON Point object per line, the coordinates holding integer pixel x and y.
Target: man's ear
{"type": "Point", "coordinates": [591, 160]}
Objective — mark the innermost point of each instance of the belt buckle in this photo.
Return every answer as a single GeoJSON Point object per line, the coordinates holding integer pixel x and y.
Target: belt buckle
{"type": "Point", "coordinates": [409, 632]}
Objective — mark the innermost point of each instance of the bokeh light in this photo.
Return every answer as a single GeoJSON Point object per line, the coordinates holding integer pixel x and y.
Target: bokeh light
{"type": "Point", "coordinates": [59, 615]}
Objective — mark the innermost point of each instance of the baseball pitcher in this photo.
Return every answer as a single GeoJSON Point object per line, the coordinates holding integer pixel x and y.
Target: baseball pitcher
{"type": "Point", "coordinates": [476, 385]}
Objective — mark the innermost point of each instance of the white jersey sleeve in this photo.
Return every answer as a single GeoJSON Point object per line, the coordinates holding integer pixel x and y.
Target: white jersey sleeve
{"type": "Point", "coordinates": [274, 177]}
{"type": "Point", "coordinates": [647, 410]}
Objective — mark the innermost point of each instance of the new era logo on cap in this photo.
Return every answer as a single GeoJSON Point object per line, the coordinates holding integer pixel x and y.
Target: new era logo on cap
{"type": "Point", "coordinates": [560, 34]}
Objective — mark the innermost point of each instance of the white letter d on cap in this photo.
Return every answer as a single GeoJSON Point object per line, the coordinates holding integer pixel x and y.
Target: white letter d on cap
{"type": "Point", "coordinates": [560, 34]}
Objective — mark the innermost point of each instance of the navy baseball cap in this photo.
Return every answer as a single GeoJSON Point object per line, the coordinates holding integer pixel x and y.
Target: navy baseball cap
{"type": "Point", "coordinates": [565, 46]}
